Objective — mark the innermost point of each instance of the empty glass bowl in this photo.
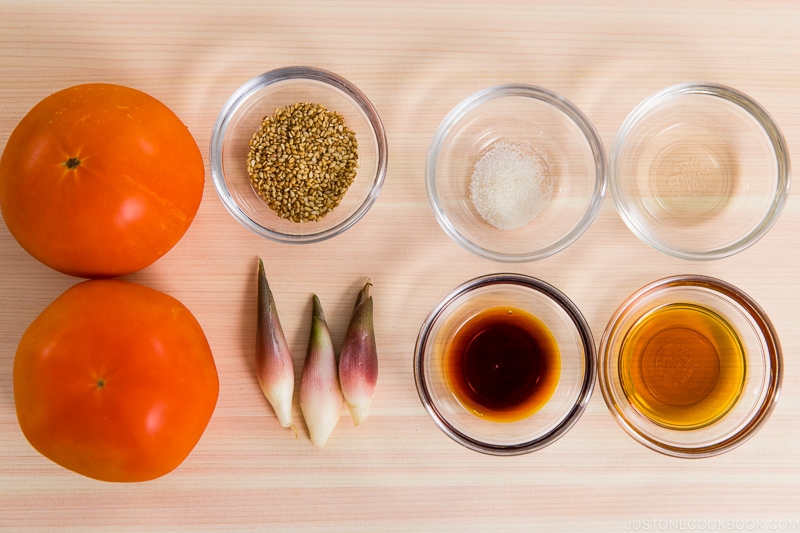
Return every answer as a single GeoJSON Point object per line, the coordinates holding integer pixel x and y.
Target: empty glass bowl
{"type": "Point", "coordinates": [564, 152]}
{"type": "Point", "coordinates": [690, 366]}
{"type": "Point", "coordinates": [699, 171]}
{"type": "Point", "coordinates": [241, 117]}
{"type": "Point", "coordinates": [570, 381]}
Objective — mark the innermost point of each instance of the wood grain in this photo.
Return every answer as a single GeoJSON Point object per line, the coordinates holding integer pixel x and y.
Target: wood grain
{"type": "Point", "coordinates": [415, 60]}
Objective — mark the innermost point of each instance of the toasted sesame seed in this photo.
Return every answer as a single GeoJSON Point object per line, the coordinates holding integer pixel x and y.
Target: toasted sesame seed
{"type": "Point", "coordinates": [302, 160]}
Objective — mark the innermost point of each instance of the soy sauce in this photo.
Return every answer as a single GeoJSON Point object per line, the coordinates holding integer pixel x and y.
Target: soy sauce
{"type": "Point", "coordinates": [503, 364]}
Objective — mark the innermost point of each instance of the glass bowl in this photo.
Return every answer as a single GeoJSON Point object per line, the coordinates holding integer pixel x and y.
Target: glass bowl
{"type": "Point", "coordinates": [519, 426]}
{"type": "Point", "coordinates": [565, 151]}
{"type": "Point", "coordinates": [699, 171]}
{"type": "Point", "coordinates": [241, 117]}
{"type": "Point", "coordinates": [690, 366]}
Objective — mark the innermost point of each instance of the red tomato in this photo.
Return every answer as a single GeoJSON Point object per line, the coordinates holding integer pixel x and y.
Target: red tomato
{"type": "Point", "coordinates": [100, 180]}
{"type": "Point", "coordinates": [115, 381]}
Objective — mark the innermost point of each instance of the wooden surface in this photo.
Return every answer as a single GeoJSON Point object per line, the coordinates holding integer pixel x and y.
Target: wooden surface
{"type": "Point", "coordinates": [415, 60]}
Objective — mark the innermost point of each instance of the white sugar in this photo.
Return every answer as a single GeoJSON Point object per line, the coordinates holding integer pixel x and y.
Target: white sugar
{"type": "Point", "coordinates": [511, 185]}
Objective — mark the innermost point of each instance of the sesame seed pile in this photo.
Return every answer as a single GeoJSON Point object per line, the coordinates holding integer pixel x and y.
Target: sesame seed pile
{"type": "Point", "coordinates": [302, 160]}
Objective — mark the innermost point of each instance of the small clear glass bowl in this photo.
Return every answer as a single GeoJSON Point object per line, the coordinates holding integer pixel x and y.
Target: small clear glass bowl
{"type": "Point", "coordinates": [577, 357]}
{"type": "Point", "coordinates": [699, 171]}
{"type": "Point", "coordinates": [241, 117]}
{"type": "Point", "coordinates": [678, 361]}
{"type": "Point", "coordinates": [524, 115]}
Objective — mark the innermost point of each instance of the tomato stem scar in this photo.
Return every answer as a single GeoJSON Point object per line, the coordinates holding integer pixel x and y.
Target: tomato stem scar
{"type": "Point", "coordinates": [100, 383]}
{"type": "Point", "coordinates": [72, 162]}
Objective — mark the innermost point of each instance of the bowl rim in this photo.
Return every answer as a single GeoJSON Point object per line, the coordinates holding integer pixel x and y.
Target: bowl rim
{"type": "Point", "coordinates": [774, 356]}
{"type": "Point", "coordinates": [731, 95]}
{"type": "Point", "coordinates": [561, 104]}
{"type": "Point", "coordinates": [587, 385]}
{"type": "Point", "coordinates": [240, 96]}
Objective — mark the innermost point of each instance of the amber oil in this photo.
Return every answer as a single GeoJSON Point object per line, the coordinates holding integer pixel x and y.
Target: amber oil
{"type": "Point", "coordinates": [682, 366]}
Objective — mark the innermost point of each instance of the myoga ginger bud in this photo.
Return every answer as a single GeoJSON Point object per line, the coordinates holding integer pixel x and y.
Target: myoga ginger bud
{"type": "Point", "coordinates": [274, 368]}
{"type": "Point", "coordinates": [358, 363]}
{"type": "Point", "coordinates": [320, 394]}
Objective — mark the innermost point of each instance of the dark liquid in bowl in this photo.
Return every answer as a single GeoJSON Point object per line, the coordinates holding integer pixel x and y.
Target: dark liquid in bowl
{"type": "Point", "coordinates": [503, 364]}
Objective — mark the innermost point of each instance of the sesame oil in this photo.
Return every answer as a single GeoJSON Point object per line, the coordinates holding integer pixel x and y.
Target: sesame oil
{"type": "Point", "coordinates": [682, 366]}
